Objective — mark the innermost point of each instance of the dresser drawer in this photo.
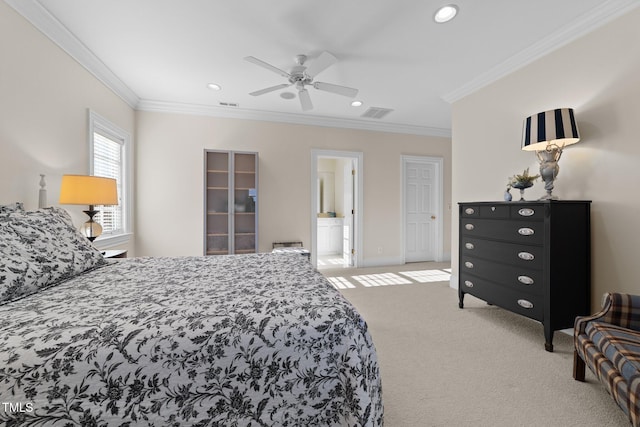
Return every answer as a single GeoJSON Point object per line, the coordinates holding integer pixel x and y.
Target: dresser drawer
{"type": "Point", "coordinates": [511, 231]}
{"type": "Point", "coordinates": [516, 278]}
{"type": "Point", "coordinates": [529, 305]}
{"type": "Point", "coordinates": [486, 211]}
{"type": "Point", "coordinates": [530, 212]}
{"type": "Point", "coordinates": [515, 254]}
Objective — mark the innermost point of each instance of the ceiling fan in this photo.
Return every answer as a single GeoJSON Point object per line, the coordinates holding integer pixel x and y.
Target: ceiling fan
{"type": "Point", "coordinates": [301, 76]}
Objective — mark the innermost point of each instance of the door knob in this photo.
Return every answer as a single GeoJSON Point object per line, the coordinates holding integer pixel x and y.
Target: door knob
{"type": "Point", "coordinates": [433, 217]}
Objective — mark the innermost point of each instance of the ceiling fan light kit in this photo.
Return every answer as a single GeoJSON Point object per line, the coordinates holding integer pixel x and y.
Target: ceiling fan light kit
{"type": "Point", "coordinates": [445, 13]}
{"type": "Point", "coordinates": [302, 76]}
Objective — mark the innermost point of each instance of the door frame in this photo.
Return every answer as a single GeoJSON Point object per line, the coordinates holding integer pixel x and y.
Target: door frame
{"type": "Point", "coordinates": [438, 162]}
{"type": "Point", "coordinates": [357, 156]}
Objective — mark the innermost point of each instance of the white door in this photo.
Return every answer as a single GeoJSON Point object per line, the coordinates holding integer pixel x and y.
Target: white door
{"type": "Point", "coordinates": [348, 225]}
{"type": "Point", "coordinates": [421, 210]}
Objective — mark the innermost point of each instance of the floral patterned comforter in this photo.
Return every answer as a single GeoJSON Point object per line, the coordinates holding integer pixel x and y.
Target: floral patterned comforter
{"type": "Point", "coordinates": [245, 340]}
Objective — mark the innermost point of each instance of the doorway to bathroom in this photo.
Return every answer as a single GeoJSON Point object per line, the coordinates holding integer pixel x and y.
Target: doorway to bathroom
{"type": "Point", "coordinates": [336, 208]}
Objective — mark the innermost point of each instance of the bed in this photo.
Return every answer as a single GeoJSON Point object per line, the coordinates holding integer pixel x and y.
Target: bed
{"type": "Point", "coordinates": [237, 340]}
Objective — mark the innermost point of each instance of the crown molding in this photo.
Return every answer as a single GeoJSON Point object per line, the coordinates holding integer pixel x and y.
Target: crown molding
{"type": "Point", "coordinates": [51, 27]}
{"type": "Point", "coordinates": [271, 116]}
{"type": "Point", "coordinates": [600, 15]}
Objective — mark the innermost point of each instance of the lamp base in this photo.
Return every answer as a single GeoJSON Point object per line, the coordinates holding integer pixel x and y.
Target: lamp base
{"type": "Point", "coordinates": [549, 168]}
{"type": "Point", "coordinates": [549, 196]}
{"type": "Point", "coordinates": [91, 229]}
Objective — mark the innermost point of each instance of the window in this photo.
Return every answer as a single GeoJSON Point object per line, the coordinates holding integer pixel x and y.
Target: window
{"type": "Point", "coordinates": [109, 148]}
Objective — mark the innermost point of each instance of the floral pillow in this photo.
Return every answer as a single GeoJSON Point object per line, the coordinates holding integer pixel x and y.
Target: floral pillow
{"type": "Point", "coordinates": [39, 249]}
{"type": "Point", "coordinates": [5, 210]}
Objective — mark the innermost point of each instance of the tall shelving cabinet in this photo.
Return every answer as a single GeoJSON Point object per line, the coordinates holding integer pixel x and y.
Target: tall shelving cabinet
{"type": "Point", "coordinates": [231, 202]}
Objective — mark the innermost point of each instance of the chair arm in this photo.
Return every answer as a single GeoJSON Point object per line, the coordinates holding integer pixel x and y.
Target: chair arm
{"type": "Point", "coordinates": [617, 309]}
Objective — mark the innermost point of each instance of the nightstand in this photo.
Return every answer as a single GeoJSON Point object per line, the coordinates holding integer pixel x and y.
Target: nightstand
{"type": "Point", "coordinates": [115, 253]}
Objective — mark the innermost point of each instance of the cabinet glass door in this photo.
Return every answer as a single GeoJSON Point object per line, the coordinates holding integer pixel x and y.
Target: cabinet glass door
{"type": "Point", "coordinates": [245, 197]}
{"type": "Point", "coordinates": [217, 203]}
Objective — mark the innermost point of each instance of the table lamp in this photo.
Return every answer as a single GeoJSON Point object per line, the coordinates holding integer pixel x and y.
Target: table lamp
{"type": "Point", "coordinates": [547, 134]}
{"type": "Point", "coordinates": [88, 190]}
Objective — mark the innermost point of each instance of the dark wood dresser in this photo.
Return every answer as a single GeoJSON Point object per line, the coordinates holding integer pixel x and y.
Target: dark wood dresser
{"type": "Point", "coordinates": [531, 258]}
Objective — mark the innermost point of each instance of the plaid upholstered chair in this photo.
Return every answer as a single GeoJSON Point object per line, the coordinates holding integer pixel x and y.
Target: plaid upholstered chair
{"type": "Point", "coordinates": [609, 343]}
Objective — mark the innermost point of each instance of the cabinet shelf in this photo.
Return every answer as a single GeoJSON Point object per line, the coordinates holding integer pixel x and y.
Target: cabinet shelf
{"type": "Point", "coordinates": [216, 171]}
{"type": "Point", "coordinates": [217, 188]}
{"type": "Point", "coordinates": [245, 251]}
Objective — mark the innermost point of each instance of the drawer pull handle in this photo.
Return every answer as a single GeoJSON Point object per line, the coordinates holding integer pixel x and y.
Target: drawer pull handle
{"type": "Point", "coordinates": [469, 211]}
{"type": "Point", "coordinates": [526, 256]}
{"type": "Point", "coordinates": [526, 212]}
{"type": "Point", "coordinates": [525, 280]}
{"type": "Point", "coordinates": [493, 208]}
{"type": "Point", "coordinates": [526, 231]}
{"type": "Point", "coordinates": [469, 246]}
{"type": "Point", "coordinates": [525, 304]}
{"type": "Point", "coordinates": [468, 264]}
{"type": "Point", "coordinates": [468, 283]}
{"type": "Point", "coordinates": [469, 227]}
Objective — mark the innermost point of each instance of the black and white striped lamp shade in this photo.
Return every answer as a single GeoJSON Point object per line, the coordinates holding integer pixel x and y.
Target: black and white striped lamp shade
{"type": "Point", "coordinates": [550, 127]}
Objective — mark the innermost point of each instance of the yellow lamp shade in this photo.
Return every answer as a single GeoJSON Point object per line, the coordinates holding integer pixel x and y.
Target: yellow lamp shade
{"type": "Point", "coordinates": [88, 190]}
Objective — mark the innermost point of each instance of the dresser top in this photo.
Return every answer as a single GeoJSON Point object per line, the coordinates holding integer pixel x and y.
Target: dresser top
{"type": "Point", "coordinates": [524, 202]}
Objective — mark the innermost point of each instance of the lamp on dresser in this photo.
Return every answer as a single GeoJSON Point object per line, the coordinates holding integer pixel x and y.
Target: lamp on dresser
{"type": "Point", "coordinates": [92, 191]}
{"type": "Point", "coordinates": [547, 134]}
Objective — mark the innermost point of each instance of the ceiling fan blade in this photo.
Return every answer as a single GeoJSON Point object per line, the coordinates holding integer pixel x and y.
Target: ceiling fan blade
{"type": "Point", "coordinates": [269, 89]}
{"type": "Point", "coordinates": [340, 90]}
{"type": "Point", "coordinates": [305, 100]}
{"type": "Point", "coordinates": [269, 67]}
{"type": "Point", "coordinates": [321, 63]}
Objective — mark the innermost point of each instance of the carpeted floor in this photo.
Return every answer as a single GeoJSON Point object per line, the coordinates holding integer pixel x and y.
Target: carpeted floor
{"type": "Point", "coordinates": [479, 366]}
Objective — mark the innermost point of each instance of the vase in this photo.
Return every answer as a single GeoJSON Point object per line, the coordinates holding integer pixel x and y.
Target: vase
{"type": "Point", "coordinates": [507, 195]}
{"type": "Point", "coordinates": [522, 185]}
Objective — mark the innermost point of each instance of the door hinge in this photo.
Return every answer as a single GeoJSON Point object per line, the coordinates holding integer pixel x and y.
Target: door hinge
{"type": "Point", "coordinates": [353, 211]}
{"type": "Point", "coordinates": [353, 171]}
{"type": "Point", "coordinates": [353, 251]}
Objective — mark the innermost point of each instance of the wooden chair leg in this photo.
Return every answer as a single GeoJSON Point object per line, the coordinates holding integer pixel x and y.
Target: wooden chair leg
{"type": "Point", "coordinates": [578, 367]}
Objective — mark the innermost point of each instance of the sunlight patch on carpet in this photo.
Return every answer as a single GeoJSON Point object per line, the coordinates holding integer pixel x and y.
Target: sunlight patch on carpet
{"type": "Point", "coordinates": [341, 283]}
{"type": "Point", "coordinates": [383, 279]}
{"type": "Point", "coordinates": [426, 276]}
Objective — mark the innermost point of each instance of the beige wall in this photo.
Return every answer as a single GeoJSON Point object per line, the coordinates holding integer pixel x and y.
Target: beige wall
{"type": "Point", "coordinates": [170, 179]}
{"type": "Point", "coordinates": [599, 76]}
{"type": "Point", "coordinates": [44, 97]}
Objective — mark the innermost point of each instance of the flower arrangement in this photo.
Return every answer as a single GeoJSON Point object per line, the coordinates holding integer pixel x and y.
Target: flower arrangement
{"type": "Point", "coordinates": [522, 181]}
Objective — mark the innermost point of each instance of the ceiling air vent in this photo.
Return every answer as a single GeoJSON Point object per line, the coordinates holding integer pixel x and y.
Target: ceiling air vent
{"type": "Point", "coordinates": [376, 112]}
{"type": "Point", "coordinates": [228, 104]}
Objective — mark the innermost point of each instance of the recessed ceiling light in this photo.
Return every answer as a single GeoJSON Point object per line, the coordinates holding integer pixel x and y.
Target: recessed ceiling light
{"type": "Point", "coordinates": [356, 104]}
{"type": "Point", "coordinates": [445, 13]}
{"type": "Point", "coordinates": [214, 86]}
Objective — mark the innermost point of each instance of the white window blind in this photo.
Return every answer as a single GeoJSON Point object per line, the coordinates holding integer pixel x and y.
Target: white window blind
{"type": "Point", "coordinates": [107, 162]}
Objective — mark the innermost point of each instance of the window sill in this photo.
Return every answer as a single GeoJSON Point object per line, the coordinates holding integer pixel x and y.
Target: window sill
{"type": "Point", "coordinates": [104, 242]}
